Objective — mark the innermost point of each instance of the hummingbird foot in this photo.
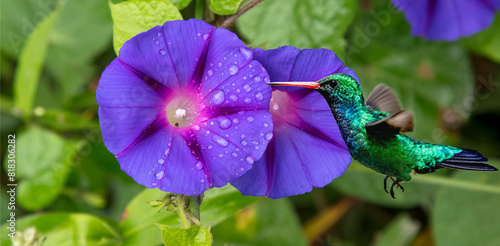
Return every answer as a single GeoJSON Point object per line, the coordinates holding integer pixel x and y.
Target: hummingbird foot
{"type": "Point", "coordinates": [394, 183]}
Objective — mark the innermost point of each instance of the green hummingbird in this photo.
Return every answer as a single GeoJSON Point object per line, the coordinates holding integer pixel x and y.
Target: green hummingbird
{"type": "Point", "coordinates": [373, 131]}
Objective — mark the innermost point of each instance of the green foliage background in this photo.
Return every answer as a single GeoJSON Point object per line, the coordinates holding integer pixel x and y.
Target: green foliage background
{"type": "Point", "coordinates": [73, 191]}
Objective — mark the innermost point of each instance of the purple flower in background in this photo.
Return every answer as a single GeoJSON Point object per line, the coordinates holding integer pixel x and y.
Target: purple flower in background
{"type": "Point", "coordinates": [448, 19]}
{"type": "Point", "coordinates": [307, 149]}
{"type": "Point", "coordinates": [176, 103]}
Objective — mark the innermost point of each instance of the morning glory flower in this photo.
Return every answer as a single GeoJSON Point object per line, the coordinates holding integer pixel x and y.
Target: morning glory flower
{"type": "Point", "coordinates": [306, 147]}
{"type": "Point", "coordinates": [448, 20]}
{"type": "Point", "coordinates": [183, 107]}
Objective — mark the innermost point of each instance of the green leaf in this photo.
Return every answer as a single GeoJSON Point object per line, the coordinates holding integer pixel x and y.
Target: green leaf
{"type": "Point", "coordinates": [224, 7]}
{"type": "Point", "coordinates": [401, 231]}
{"type": "Point", "coordinates": [68, 229]}
{"type": "Point", "coordinates": [303, 24]}
{"type": "Point", "coordinates": [268, 222]}
{"type": "Point", "coordinates": [180, 4]}
{"type": "Point", "coordinates": [135, 16]}
{"type": "Point", "coordinates": [31, 63]}
{"type": "Point", "coordinates": [468, 216]}
{"type": "Point", "coordinates": [486, 42]}
{"type": "Point", "coordinates": [42, 164]}
{"type": "Point", "coordinates": [64, 120]}
{"type": "Point", "coordinates": [139, 217]}
{"type": "Point", "coordinates": [193, 236]}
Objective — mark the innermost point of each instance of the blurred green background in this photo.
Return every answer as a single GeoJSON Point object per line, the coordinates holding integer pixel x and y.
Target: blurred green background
{"type": "Point", "coordinates": [72, 189]}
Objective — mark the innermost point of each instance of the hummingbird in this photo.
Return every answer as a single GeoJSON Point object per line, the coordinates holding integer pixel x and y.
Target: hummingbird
{"type": "Point", "coordinates": [374, 132]}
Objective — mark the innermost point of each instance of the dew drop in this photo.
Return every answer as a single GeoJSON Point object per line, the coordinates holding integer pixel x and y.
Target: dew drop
{"type": "Point", "coordinates": [256, 147]}
{"type": "Point", "coordinates": [159, 34]}
{"type": "Point", "coordinates": [247, 100]}
{"type": "Point", "coordinates": [161, 161]}
{"type": "Point", "coordinates": [198, 34]}
{"type": "Point", "coordinates": [275, 106]}
{"type": "Point", "coordinates": [233, 69]}
{"type": "Point", "coordinates": [265, 124]}
{"type": "Point", "coordinates": [209, 147]}
{"type": "Point", "coordinates": [224, 122]}
{"type": "Point", "coordinates": [259, 96]}
{"type": "Point", "coordinates": [210, 72]}
{"type": "Point", "coordinates": [242, 169]}
{"type": "Point", "coordinates": [160, 175]}
{"type": "Point", "coordinates": [269, 136]}
{"type": "Point", "coordinates": [202, 180]}
{"type": "Point", "coordinates": [250, 119]}
{"type": "Point", "coordinates": [256, 79]}
{"type": "Point", "coordinates": [196, 128]}
{"type": "Point", "coordinates": [244, 143]}
{"type": "Point", "coordinates": [219, 64]}
{"type": "Point", "coordinates": [205, 37]}
{"type": "Point", "coordinates": [234, 154]}
{"type": "Point", "coordinates": [154, 184]}
{"type": "Point", "coordinates": [242, 136]}
{"type": "Point", "coordinates": [167, 151]}
{"type": "Point", "coordinates": [163, 52]}
{"type": "Point", "coordinates": [220, 141]}
{"type": "Point", "coordinates": [157, 42]}
{"type": "Point", "coordinates": [236, 121]}
{"type": "Point", "coordinates": [247, 53]}
{"type": "Point", "coordinates": [199, 165]}
{"type": "Point", "coordinates": [246, 87]}
{"type": "Point", "coordinates": [233, 97]}
{"type": "Point", "coordinates": [266, 80]}
{"type": "Point", "coordinates": [221, 155]}
{"type": "Point", "coordinates": [218, 97]}
{"type": "Point", "coordinates": [254, 142]}
{"type": "Point", "coordinates": [249, 159]}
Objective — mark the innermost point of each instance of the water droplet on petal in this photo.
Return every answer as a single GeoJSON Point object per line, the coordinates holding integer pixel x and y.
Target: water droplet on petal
{"type": "Point", "coordinates": [154, 184]}
{"type": "Point", "coordinates": [247, 53]}
{"type": "Point", "coordinates": [233, 97]}
{"type": "Point", "coordinates": [250, 119]}
{"type": "Point", "coordinates": [167, 151]}
{"type": "Point", "coordinates": [221, 155]}
{"type": "Point", "coordinates": [198, 34]}
{"type": "Point", "coordinates": [218, 97]}
{"type": "Point", "coordinates": [234, 154]}
{"type": "Point", "coordinates": [244, 143]}
{"type": "Point", "coordinates": [265, 124]}
{"type": "Point", "coordinates": [220, 141]}
{"type": "Point", "coordinates": [246, 87]}
{"type": "Point", "coordinates": [196, 128]}
{"type": "Point", "coordinates": [269, 136]}
{"type": "Point", "coordinates": [199, 165]}
{"type": "Point", "coordinates": [205, 37]}
{"type": "Point", "coordinates": [158, 33]}
{"type": "Point", "coordinates": [161, 161]}
{"type": "Point", "coordinates": [209, 147]}
{"type": "Point", "coordinates": [266, 80]}
{"type": "Point", "coordinates": [160, 175]}
{"type": "Point", "coordinates": [242, 136]}
{"type": "Point", "coordinates": [236, 121]}
{"type": "Point", "coordinates": [247, 100]}
{"type": "Point", "coordinates": [249, 159]}
{"type": "Point", "coordinates": [242, 169]}
{"type": "Point", "coordinates": [256, 79]}
{"type": "Point", "coordinates": [259, 96]}
{"type": "Point", "coordinates": [254, 142]}
{"type": "Point", "coordinates": [163, 52]}
{"type": "Point", "coordinates": [233, 69]}
{"type": "Point", "coordinates": [210, 72]}
{"type": "Point", "coordinates": [157, 42]}
{"type": "Point", "coordinates": [219, 64]}
{"type": "Point", "coordinates": [224, 122]}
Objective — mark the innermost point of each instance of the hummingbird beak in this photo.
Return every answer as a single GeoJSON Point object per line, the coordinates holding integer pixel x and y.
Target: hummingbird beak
{"type": "Point", "coordinates": [310, 85]}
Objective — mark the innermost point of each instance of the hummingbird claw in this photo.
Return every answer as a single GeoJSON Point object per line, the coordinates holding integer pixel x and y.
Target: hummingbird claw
{"type": "Point", "coordinates": [385, 184]}
{"type": "Point", "coordinates": [396, 182]}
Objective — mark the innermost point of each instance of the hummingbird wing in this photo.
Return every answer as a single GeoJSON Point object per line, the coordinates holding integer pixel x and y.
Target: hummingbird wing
{"type": "Point", "coordinates": [382, 98]}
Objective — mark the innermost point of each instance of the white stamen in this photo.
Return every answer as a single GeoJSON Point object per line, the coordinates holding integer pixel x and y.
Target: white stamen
{"type": "Point", "coordinates": [179, 113]}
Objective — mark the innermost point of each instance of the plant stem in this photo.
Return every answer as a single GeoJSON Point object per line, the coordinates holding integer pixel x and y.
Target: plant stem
{"type": "Point", "coordinates": [247, 7]}
{"type": "Point", "coordinates": [180, 210]}
{"type": "Point", "coordinates": [194, 206]}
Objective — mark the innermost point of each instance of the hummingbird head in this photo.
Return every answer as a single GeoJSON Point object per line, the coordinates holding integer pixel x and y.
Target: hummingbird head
{"type": "Point", "coordinates": [338, 87]}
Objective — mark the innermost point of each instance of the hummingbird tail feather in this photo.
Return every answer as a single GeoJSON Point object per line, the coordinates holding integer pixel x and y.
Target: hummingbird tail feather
{"type": "Point", "coordinates": [468, 159]}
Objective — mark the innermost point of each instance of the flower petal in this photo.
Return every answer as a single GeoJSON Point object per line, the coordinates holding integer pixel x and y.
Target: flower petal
{"type": "Point", "coordinates": [164, 160]}
{"type": "Point", "coordinates": [448, 20]}
{"type": "Point", "coordinates": [230, 143]}
{"type": "Point", "coordinates": [122, 126]}
{"type": "Point", "coordinates": [119, 86]}
{"type": "Point", "coordinates": [300, 161]}
{"type": "Point", "coordinates": [307, 149]}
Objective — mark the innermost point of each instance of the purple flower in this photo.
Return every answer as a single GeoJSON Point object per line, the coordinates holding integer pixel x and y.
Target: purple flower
{"type": "Point", "coordinates": [306, 149]}
{"type": "Point", "coordinates": [176, 103]}
{"type": "Point", "coordinates": [448, 19]}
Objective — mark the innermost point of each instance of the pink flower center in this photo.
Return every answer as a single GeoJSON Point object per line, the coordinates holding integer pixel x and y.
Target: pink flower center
{"type": "Point", "coordinates": [184, 110]}
{"type": "Point", "coordinates": [282, 107]}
